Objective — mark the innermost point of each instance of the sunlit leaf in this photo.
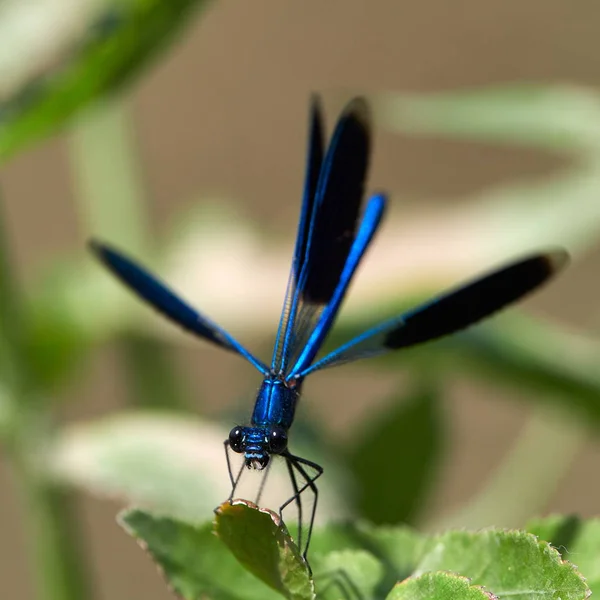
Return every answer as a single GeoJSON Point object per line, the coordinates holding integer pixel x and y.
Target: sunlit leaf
{"type": "Point", "coordinates": [508, 563]}
{"type": "Point", "coordinates": [578, 541]}
{"type": "Point", "coordinates": [439, 586]}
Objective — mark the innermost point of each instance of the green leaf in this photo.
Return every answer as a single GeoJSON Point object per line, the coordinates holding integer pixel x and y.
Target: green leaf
{"type": "Point", "coordinates": [553, 117]}
{"type": "Point", "coordinates": [192, 559]}
{"type": "Point", "coordinates": [578, 540]}
{"type": "Point", "coordinates": [347, 574]}
{"type": "Point", "coordinates": [87, 59]}
{"type": "Point", "coordinates": [508, 563]}
{"type": "Point", "coordinates": [396, 548]}
{"type": "Point", "coordinates": [410, 435]}
{"type": "Point", "coordinates": [260, 541]}
{"type": "Point", "coordinates": [439, 586]}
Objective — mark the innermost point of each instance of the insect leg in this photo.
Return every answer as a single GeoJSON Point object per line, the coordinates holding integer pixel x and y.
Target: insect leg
{"type": "Point", "coordinates": [234, 480]}
{"type": "Point", "coordinates": [299, 464]}
{"type": "Point", "coordinates": [296, 496]}
{"type": "Point", "coordinates": [262, 484]}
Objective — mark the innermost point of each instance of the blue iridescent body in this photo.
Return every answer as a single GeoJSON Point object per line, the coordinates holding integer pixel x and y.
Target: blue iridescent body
{"type": "Point", "coordinates": [334, 232]}
{"type": "Point", "coordinates": [275, 404]}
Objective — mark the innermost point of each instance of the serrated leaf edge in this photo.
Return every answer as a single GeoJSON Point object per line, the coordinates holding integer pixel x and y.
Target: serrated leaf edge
{"type": "Point", "coordinates": [277, 521]}
{"type": "Point", "coordinates": [120, 518]}
{"type": "Point", "coordinates": [468, 580]}
{"type": "Point", "coordinates": [552, 552]}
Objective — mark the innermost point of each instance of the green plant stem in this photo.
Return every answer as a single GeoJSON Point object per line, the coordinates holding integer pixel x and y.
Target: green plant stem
{"type": "Point", "coordinates": [52, 531]}
{"type": "Point", "coordinates": [528, 476]}
{"type": "Point", "coordinates": [107, 177]}
{"type": "Point", "coordinates": [152, 378]}
{"type": "Point", "coordinates": [61, 571]}
{"type": "Point", "coordinates": [111, 195]}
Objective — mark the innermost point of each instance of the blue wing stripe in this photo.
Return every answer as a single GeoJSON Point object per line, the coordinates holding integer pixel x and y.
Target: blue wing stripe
{"type": "Point", "coordinates": [369, 224]}
{"type": "Point", "coordinates": [157, 294]}
{"type": "Point", "coordinates": [450, 312]}
{"type": "Point", "coordinates": [314, 161]}
{"type": "Point", "coordinates": [313, 169]}
{"type": "Point", "coordinates": [338, 200]}
{"type": "Point", "coordinates": [333, 225]}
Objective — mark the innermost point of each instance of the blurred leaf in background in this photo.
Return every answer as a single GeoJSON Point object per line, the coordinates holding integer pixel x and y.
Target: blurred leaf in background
{"type": "Point", "coordinates": [394, 458]}
{"type": "Point", "coordinates": [564, 119]}
{"type": "Point", "coordinates": [60, 55]}
{"type": "Point", "coordinates": [171, 462]}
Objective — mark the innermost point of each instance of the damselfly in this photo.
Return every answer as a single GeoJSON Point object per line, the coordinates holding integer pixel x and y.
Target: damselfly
{"type": "Point", "coordinates": [332, 239]}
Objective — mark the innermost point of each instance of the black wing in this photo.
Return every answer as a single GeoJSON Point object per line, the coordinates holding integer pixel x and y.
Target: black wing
{"type": "Point", "coordinates": [328, 226]}
{"type": "Point", "coordinates": [450, 312]}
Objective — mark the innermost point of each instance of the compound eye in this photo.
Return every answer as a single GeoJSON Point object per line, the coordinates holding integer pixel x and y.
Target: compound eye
{"type": "Point", "coordinates": [277, 440]}
{"type": "Point", "coordinates": [236, 439]}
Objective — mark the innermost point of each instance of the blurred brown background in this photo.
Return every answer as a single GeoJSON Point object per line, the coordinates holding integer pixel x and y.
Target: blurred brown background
{"type": "Point", "coordinates": [225, 115]}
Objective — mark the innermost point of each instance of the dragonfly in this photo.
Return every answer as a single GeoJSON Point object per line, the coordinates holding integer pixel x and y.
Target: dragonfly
{"type": "Point", "coordinates": [333, 235]}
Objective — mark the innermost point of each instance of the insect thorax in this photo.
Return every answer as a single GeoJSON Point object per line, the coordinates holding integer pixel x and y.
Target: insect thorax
{"type": "Point", "coordinates": [275, 404]}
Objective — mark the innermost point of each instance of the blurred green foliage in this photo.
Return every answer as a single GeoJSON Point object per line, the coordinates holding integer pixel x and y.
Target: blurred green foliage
{"type": "Point", "coordinates": [410, 437]}
{"type": "Point", "coordinates": [120, 38]}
